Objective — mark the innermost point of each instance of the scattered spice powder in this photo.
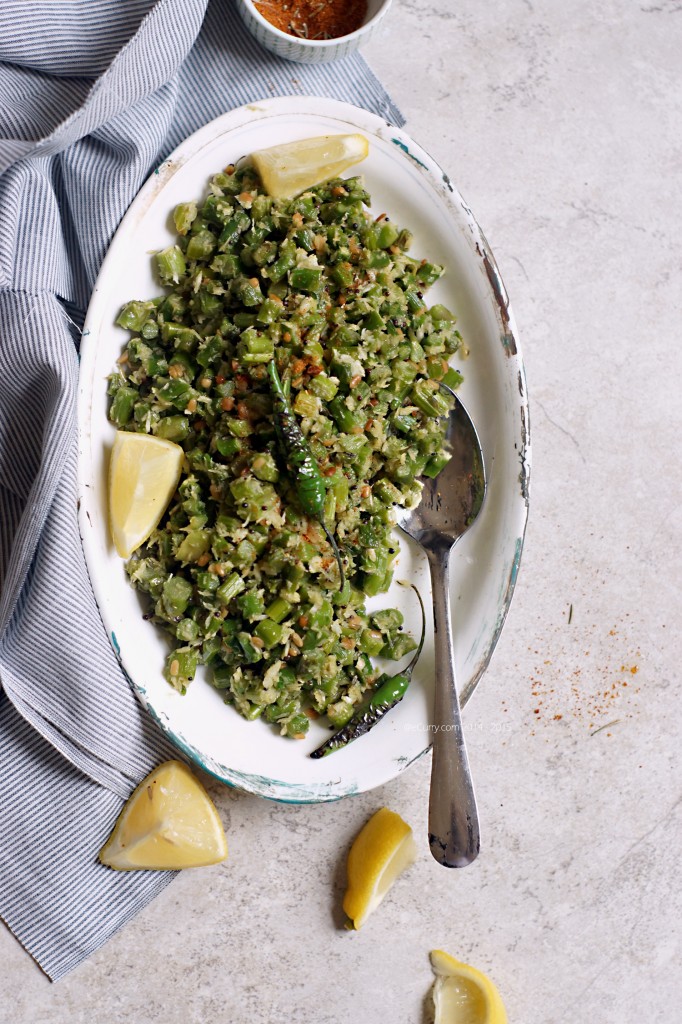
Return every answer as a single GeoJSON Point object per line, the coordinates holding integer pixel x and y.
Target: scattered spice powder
{"type": "Point", "coordinates": [586, 678]}
{"type": "Point", "coordinates": [314, 19]}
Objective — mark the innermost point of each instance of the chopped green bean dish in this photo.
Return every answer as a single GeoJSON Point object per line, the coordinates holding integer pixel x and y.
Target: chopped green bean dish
{"type": "Point", "coordinates": [294, 359]}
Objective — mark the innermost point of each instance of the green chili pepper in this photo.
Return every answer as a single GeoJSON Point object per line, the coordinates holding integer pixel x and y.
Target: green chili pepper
{"type": "Point", "coordinates": [302, 464]}
{"type": "Point", "coordinates": [390, 692]}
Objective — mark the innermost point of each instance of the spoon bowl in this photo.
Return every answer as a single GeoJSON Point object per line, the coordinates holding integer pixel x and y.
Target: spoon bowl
{"type": "Point", "coordinates": [449, 505]}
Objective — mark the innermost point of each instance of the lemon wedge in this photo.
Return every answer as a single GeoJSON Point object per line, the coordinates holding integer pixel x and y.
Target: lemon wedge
{"type": "Point", "coordinates": [143, 474]}
{"type": "Point", "coordinates": [168, 823]}
{"type": "Point", "coordinates": [464, 995]}
{"type": "Point", "coordinates": [288, 169]}
{"type": "Point", "coordinates": [380, 852]}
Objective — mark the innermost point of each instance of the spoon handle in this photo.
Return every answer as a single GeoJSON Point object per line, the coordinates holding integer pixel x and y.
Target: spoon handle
{"type": "Point", "coordinates": [454, 835]}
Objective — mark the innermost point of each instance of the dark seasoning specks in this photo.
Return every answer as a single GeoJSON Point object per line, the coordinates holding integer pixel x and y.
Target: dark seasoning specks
{"type": "Point", "coordinates": [585, 675]}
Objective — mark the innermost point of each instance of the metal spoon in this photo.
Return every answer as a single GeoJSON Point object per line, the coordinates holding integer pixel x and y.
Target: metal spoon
{"type": "Point", "coordinates": [448, 506]}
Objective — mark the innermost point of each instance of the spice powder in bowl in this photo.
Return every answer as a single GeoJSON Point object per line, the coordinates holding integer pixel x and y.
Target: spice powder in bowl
{"type": "Point", "coordinates": [314, 19]}
{"type": "Point", "coordinates": [312, 31]}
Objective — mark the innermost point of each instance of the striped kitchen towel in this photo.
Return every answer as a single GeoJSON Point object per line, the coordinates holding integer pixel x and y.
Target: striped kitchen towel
{"type": "Point", "coordinates": [93, 95]}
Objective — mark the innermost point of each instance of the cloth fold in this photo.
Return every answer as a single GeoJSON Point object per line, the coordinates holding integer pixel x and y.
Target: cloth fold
{"type": "Point", "coordinates": [58, 900]}
{"type": "Point", "coordinates": [93, 95]}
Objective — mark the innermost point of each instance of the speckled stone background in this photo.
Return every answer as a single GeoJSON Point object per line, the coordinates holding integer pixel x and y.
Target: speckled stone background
{"type": "Point", "coordinates": [561, 124]}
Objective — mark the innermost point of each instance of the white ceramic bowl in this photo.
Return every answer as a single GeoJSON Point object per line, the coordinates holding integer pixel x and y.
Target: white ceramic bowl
{"type": "Point", "coordinates": [406, 183]}
{"type": "Point", "coordinates": [311, 51]}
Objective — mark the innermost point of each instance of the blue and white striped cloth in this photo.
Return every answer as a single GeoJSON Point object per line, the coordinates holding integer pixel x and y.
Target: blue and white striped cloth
{"type": "Point", "coordinates": [93, 95]}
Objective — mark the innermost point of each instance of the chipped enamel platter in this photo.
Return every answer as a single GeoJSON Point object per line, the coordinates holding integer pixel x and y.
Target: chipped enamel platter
{"type": "Point", "coordinates": [407, 184]}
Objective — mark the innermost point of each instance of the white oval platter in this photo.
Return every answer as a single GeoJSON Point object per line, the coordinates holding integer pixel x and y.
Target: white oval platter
{"type": "Point", "coordinates": [411, 188]}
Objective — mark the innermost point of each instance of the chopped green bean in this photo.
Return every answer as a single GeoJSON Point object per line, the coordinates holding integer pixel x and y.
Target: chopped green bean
{"type": "Point", "coordinates": [312, 311]}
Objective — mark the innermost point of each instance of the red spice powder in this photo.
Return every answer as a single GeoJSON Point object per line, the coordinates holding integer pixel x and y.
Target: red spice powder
{"type": "Point", "coordinates": [314, 19]}
{"type": "Point", "coordinates": [586, 680]}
